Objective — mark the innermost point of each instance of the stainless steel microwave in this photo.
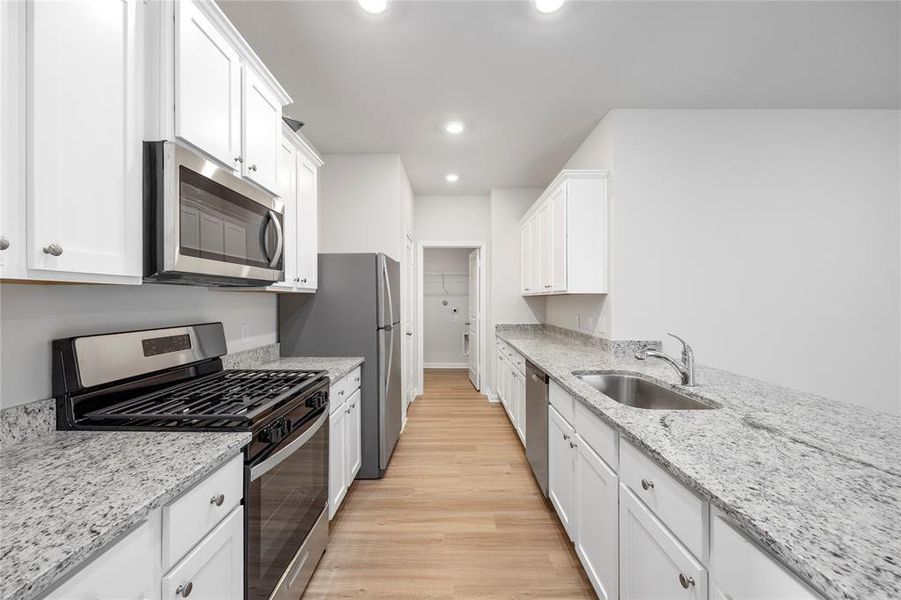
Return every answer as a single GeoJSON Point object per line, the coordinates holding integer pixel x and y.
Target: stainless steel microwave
{"type": "Point", "coordinates": [205, 226]}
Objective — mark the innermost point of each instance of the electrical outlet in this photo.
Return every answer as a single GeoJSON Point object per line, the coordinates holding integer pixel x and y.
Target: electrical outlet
{"type": "Point", "coordinates": [245, 333]}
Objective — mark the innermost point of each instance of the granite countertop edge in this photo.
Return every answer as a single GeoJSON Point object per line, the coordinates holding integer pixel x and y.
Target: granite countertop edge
{"type": "Point", "coordinates": [742, 520]}
{"type": "Point", "coordinates": [337, 366]}
{"type": "Point", "coordinates": [55, 573]}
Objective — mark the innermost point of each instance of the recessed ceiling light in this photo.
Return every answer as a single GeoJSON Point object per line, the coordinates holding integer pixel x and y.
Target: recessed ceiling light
{"type": "Point", "coordinates": [375, 7]}
{"type": "Point", "coordinates": [548, 6]}
{"type": "Point", "coordinates": [452, 177]}
{"type": "Point", "coordinates": [454, 127]}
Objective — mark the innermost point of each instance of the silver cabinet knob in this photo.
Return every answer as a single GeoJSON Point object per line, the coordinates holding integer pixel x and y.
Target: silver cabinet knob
{"type": "Point", "coordinates": [296, 279]}
{"type": "Point", "coordinates": [53, 249]}
{"type": "Point", "coordinates": [252, 168]}
{"type": "Point", "coordinates": [304, 280]}
{"type": "Point", "coordinates": [409, 333]}
{"type": "Point", "coordinates": [686, 581]}
{"type": "Point", "coordinates": [218, 499]}
{"type": "Point", "coordinates": [647, 484]}
{"type": "Point", "coordinates": [347, 412]}
{"type": "Point", "coordinates": [4, 243]}
{"type": "Point", "coordinates": [340, 392]}
{"type": "Point", "coordinates": [185, 590]}
{"type": "Point", "coordinates": [572, 444]}
{"type": "Point", "coordinates": [565, 436]}
{"type": "Point", "coordinates": [239, 159]}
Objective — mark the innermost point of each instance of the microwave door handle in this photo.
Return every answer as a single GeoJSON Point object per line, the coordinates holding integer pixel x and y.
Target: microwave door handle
{"type": "Point", "coordinates": [280, 239]}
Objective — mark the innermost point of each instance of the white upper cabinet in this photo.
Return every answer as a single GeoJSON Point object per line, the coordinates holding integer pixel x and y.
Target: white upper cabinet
{"type": "Point", "coordinates": [207, 86]}
{"type": "Point", "coordinates": [566, 250]}
{"type": "Point", "coordinates": [84, 216]}
{"type": "Point", "coordinates": [261, 132]}
{"type": "Point", "coordinates": [308, 221]}
{"type": "Point", "coordinates": [525, 244]}
{"type": "Point", "coordinates": [287, 189]}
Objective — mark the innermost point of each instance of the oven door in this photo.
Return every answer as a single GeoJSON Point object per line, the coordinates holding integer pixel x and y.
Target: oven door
{"type": "Point", "coordinates": [287, 494]}
{"type": "Point", "coordinates": [208, 225]}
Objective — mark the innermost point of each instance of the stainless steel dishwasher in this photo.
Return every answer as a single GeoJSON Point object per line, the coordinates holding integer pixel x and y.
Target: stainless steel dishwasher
{"type": "Point", "coordinates": [536, 423]}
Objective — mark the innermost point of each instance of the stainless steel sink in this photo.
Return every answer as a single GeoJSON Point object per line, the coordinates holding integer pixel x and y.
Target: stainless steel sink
{"type": "Point", "coordinates": [641, 393]}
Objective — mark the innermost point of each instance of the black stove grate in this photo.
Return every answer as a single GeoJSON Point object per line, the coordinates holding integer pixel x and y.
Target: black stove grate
{"type": "Point", "coordinates": [227, 397]}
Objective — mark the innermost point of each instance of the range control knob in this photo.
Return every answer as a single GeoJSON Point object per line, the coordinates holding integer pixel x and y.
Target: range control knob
{"type": "Point", "coordinates": [275, 432]}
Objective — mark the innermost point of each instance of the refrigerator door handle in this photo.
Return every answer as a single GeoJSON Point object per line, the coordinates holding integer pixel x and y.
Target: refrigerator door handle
{"type": "Point", "coordinates": [390, 357]}
{"type": "Point", "coordinates": [388, 292]}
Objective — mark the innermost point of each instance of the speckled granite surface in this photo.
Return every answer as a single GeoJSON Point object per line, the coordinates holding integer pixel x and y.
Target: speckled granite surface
{"type": "Point", "coordinates": [68, 494]}
{"type": "Point", "coordinates": [337, 366]}
{"type": "Point", "coordinates": [249, 359]}
{"type": "Point", "coordinates": [27, 421]}
{"type": "Point", "coordinates": [814, 481]}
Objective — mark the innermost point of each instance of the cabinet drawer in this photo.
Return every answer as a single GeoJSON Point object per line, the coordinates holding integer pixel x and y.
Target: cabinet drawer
{"type": "Point", "coordinates": [602, 438]}
{"type": "Point", "coordinates": [344, 388]}
{"type": "Point", "coordinates": [562, 401]}
{"type": "Point", "coordinates": [189, 518]}
{"type": "Point", "coordinates": [739, 570]}
{"type": "Point", "coordinates": [680, 510]}
{"type": "Point", "coordinates": [123, 571]}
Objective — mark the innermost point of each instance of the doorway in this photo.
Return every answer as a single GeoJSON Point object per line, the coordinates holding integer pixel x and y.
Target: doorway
{"type": "Point", "coordinates": [451, 302]}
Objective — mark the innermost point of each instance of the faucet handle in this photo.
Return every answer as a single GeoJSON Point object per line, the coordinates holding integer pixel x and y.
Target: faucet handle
{"type": "Point", "coordinates": [687, 352]}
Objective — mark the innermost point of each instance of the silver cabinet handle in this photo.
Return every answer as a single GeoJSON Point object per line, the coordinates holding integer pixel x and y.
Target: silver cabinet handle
{"type": "Point", "coordinates": [565, 436]}
{"type": "Point", "coordinates": [304, 280]}
{"type": "Point", "coordinates": [185, 590]}
{"type": "Point", "coordinates": [357, 379]}
{"type": "Point", "coordinates": [686, 581]}
{"type": "Point", "coordinates": [647, 484]}
{"type": "Point", "coordinates": [409, 333]}
{"type": "Point", "coordinates": [340, 392]}
{"type": "Point", "coordinates": [4, 243]}
{"type": "Point", "coordinates": [572, 445]}
{"type": "Point", "coordinates": [252, 168]}
{"type": "Point", "coordinates": [218, 499]}
{"type": "Point", "coordinates": [239, 159]}
{"type": "Point", "coordinates": [347, 412]}
{"type": "Point", "coordinates": [53, 249]}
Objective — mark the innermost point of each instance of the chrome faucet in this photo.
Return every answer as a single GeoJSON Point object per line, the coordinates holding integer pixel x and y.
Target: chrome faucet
{"type": "Point", "coordinates": [686, 368]}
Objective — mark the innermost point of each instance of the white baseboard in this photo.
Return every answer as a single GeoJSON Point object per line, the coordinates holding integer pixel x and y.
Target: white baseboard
{"type": "Point", "coordinates": [446, 365]}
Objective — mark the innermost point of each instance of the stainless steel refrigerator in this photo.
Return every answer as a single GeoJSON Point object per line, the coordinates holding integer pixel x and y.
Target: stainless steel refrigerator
{"type": "Point", "coordinates": [355, 312]}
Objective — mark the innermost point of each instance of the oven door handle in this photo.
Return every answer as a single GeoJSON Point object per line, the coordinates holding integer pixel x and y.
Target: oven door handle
{"type": "Point", "coordinates": [262, 468]}
{"type": "Point", "coordinates": [280, 239]}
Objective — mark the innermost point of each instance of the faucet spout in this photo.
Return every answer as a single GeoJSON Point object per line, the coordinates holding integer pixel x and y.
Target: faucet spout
{"type": "Point", "coordinates": [686, 368]}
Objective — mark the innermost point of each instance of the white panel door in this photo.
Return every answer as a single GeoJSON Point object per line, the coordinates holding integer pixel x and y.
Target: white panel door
{"type": "Point", "coordinates": [307, 224]}
{"type": "Point", "coordinates": [561, 468]}
{"type": "Point", "coordinates": [597, 520]}
{"type": "Point", "coordinates": [207, 86]}
{"type": "Point", "coordinates": [545, 246]}
{"type": "Point", "coordinates": [287, 189]}
{"type": "Point", "coordinates": [557, 279]}
{"type": "Point", "coordinates": [85, 164]}
{"type": "Point", "coordinates": [474, 317]}
{"type": "Point", "coordinates": [353, 458]}
{"type": "Point", "coordinates": [525, 267]}
{"type": "Point", "coordinates": [652, 562]}
{"type": "Point", "coordinates": [261, 131]}
{"type": "Point", "coordinates": [409, 321]}
{"type": "Point", "coordinates": [337, 459]}
{"type": "Point", "coordinates": [214, 569]}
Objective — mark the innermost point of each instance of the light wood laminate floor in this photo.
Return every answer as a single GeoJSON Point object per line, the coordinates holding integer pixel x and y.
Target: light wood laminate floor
{"type": "Point", "coordinates": [458, 514]}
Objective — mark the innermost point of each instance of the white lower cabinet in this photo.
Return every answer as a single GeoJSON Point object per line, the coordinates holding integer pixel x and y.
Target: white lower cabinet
{"type": "Point", "coordinates": [125, 571]}
{"type": "Point", "coordinates": [561, 463]}
{"type": "Point", "coordinates": [345, 444]}
{"type": "Point", "coordinates": [652, 563]}
{"type": "Point", "coordinates": [596, 520]}
{"type": "Point", "coordinates": [511, 387]}
{"type": "Point", "coordinates": [214, 569]}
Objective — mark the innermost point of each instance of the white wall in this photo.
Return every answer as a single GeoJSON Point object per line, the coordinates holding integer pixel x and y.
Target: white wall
{"type": "Point", "coordinates": [31, 316]}
{"type": "Point", "coordinates": [451, 218]}
{"type": "Point", "coordinates": [442, 327]}
{"type": "Point", "coordinates": [769, 239]}
{"type": "Point", "coordinates": [363, 204]}
{"type": "Point", "coordinates": [504, 288]}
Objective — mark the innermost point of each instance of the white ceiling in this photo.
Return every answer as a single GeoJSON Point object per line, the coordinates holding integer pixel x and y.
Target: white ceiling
{"type": "Point", "coordinates": [531, 87]}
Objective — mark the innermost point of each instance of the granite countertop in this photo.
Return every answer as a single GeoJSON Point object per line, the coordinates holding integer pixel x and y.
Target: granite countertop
{"type": "Point", "coordinates": [815, 481]}
{"type": "Point", "coordinates": [68, 494]}
{"type": "Point", "coordinates": [337, 366]}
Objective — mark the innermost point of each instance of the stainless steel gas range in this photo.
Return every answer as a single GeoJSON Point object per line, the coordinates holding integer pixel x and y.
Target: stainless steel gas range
{"type": "Point", "coordinates": [173, 378]}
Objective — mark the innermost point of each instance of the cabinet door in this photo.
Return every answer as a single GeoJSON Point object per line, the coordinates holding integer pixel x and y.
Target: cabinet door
{"type": "Point", "coordinates": [125, 571]}
{"type": "Point", "coordinates": [652, 562]}
{"type": "Point", "coordinates": [557, 279]}
{"type": "Point", "coordinates": [521, 403]}
{"type": "Point", "coordinates": [261, 131]}
{"type": "Point", "coordinates": [207, 86]}
{"type": "Point", "coordinates": [12, 142]}
{"type": "Point", "coordinates": [597, 520]}
{"type": "Point", "coordinates": [561, 468]}
{"type": "Point", "coordinates": [85, 166]}
{"type": "Point", "coordinates": [525, 244]}
{"type": "Point", "coordinates": [214, 569]}
{"type": "Point", "coordinates": [353, 456]}
{"type": "Point", "coordinates": [287, 189]}
{"type": "Point", "coordinates": [545, 248]}
{"type": "Point", "coordinates": [517, 401]}
{"type": "Point", "coordinates": [307, 224]}
{"type": "Point", "coordinates": [337, 459]}
{"type": "Point", "coordinates": [499, 376]}
{"type": "Point", "coordinates": [535, 255]}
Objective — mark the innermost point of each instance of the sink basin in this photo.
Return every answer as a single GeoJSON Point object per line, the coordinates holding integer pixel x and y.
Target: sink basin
{"type": "Point", "coordinates": [641, 393]}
